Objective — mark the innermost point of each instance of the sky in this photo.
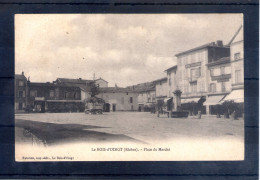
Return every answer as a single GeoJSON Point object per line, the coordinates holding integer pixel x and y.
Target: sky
{"type": "Point", "coordinates": [123, 49]}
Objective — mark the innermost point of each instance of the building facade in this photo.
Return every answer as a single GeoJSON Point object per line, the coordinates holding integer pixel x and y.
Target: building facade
{"type": "Point", "coordinates": [51, 97]}
{"type": "Point", "coordinates": [237, 69]}
{"type": "Point", "coordinates": [20, 92]}
{"type": "Point", "coordinates": [219, 84]}
{"type": "Point", "coordinates": [119, 99]}
{"type": "Point", "coordinates": [193, 74]}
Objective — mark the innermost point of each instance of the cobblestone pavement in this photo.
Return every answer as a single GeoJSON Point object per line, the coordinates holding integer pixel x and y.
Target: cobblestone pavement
{"type": "Point", "coordinates": [144, 126]}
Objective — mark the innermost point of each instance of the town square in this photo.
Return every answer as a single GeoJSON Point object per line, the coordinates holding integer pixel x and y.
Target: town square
{"type": "Point", "coordinates": [147, 86]}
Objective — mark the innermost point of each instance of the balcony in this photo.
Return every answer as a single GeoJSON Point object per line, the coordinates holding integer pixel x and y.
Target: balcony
{"type": "Point", "coordinates": [193, 79]}
{"type": "Point", "coordinates": [223, 77]}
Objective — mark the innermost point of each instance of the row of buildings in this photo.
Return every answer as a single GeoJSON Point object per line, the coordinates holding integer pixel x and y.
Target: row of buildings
{"type": "Point", "coordinates": [207, 76]}
{"type": "Point", "coordinates": [68, 95]}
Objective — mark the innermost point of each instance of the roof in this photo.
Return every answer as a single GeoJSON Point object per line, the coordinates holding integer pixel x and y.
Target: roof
{"type": "Point", "coordinates": [143, 87]}
{"type": "Point", "coordinates": [171, 68]}
{"type": "Point", "coordinates": [235, 35]}
{"type": "Point", "coordinates": [223, 60]}
{"type": "Point", "coordinates": [74, 81]}
{"type": "Point", "coordinates": [20, 77]}
{"type": "Point", "coordinates": [212, 44]}
{"type": "Point", "coordinates": [114, 90]}
{"type": "Point", "coordinates": [101, 79]}
{"type": "Point", "coordinates": [47, 84]}
{"type": "Point", "coordinates": [160, 80]}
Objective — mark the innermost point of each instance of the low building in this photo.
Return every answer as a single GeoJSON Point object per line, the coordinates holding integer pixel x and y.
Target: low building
{"type": "Point", "coordinates": [146, 95]}
{"type": "Point", "coordinates": [20, 92]}
{"type": "Point", "coordinates": [119, 99]}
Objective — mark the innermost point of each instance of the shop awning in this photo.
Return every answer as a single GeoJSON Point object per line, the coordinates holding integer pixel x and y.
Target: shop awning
{"type": "Point", "coordinates": [167, 99]}
{"type": "Point", "coordinates": [213, 100]}
{"type": "Point", "coordinates": [189, 100]}
{"type": "Point", "coordinates": [64, 100]}
{"type": "Point", "coordinates": [235, 95]}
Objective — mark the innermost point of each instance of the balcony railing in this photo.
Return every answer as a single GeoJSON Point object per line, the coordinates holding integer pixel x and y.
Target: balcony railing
{"type": "Point", "coordinates": [221, 77]}
{"type": "Point", "coordinates": [193, 79]}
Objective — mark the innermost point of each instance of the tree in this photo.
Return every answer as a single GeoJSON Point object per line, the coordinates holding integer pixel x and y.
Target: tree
{"type": "Point", "coordinates": [94, 89]}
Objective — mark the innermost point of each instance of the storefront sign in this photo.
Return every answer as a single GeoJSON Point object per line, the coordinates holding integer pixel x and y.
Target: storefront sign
{"type": "Point", "coordinates": [39, 98]}
{"type": "Point", "coordinates": [221, 77]}
{"type": "Point", "coordinates": [193, 65]}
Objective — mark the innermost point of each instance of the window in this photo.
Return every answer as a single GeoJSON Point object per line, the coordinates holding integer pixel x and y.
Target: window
{"type": "Point", "coordinates": [238, 77]}
{"type": "Point", "coordinates": [212, 87]}
{"type": "Point", "coordinates": [212, 72]}
{"type": "Point", "coordinates": [202, 86]}
{"type": "Point", "coordinates": [122, 100]}
{"type": "Point", "coordinates": [193, 87]}
{"type": "Point", "coordinates": [21, 83]}
{"type": "Point", "coordinates": [51, 93]}
{"type": "Point", "coordinates": [223, 87]}
{"type": "Point", "coordinates": [76, 95]}
{"type": "Point", "coordinates": [57, 92]}
{"type": "Point", "coordinates": [20, 94]}
{"type": "Point", "coordinates": [33, 93]}
{"type": "Point", "coordinates": [131, 99]}
{"type": "Point", "coordinates": [127, 93]}
{"type": "Point", "coordinates": [237, 56]}
{"type": "Point", "coordinates": [222, 70]}
{"type": "Point", "coordinates": [198, 70]}
{"type": "Point", "coordinates": [186, 89]}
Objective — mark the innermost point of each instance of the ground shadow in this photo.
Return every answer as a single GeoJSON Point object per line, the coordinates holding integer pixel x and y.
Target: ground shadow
{"type": "Point", "coordinates": [53, 134]}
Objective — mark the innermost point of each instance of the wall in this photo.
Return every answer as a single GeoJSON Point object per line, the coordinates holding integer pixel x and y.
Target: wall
{"type": "Point", "coordinates": [161, 89]}
{"type": "Point", "coordinates": [217, 73]}
{"type": "Point", "coordinates": [237, 64]}
{"type": "Point", "coordinates": [171, 82]}
{"type": "Point", "coordinates": [121, 100]}
{"type": "Point", "coordinates": [101, 83]}
{"type": "Point", "coordinates": [20, 99]}
{"type": "Point", "coordinates": [185, 63]}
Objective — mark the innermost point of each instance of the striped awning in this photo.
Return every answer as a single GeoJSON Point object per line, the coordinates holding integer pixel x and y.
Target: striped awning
{"type": "Point", "coordinates": [189, 100]}
{"type": "Point", "coordinates": [235, 95]}
{"type": "Point", "coordinates": [213, 100]}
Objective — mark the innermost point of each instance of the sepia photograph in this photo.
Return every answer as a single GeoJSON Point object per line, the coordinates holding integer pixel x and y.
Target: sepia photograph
{"type": "Point", "coordinates": [129, 87]}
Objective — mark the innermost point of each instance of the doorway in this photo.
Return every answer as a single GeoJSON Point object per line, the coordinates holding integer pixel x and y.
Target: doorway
{"type": "Point", "coordinates": [114, 107]}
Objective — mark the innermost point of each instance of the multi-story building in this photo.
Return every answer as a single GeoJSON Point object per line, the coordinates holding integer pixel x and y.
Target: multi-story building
{"type": "Point", "coordinates": [237, 68]}
{"type": "Point", "coordinates": [81, 82]}
{"type": "Point", "coordinates": [171, 80]}
{"type": "Point", "coordinates": [20, 92]}
{"type": "Point", "coordinates": [219, 84]}
{"type": "Point", "coordinates": [193, 75]}
{"type": "Point", "coordinates": [54, 97]}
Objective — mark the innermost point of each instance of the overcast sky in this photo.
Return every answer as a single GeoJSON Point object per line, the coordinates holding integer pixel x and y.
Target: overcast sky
{"type": "Point", "coordinates": [120, 48]}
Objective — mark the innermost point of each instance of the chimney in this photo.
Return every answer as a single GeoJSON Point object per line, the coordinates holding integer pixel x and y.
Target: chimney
{"type": "Point", "coordinates": [219, 43]}
{"type": "Point", "coordinates": [23, 73]}
{"type": "Point", "coordinates": [80, 79]}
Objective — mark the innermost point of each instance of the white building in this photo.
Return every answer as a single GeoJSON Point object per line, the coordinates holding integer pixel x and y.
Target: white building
{"type": "Point", "coordinates": [119, 99]}
{"type": "Point", "coordinates": [237, 67]}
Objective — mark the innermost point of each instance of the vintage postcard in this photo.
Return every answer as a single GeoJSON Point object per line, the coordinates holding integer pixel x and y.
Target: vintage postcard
{"type": "Point", "coordinates": [129, 87]}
